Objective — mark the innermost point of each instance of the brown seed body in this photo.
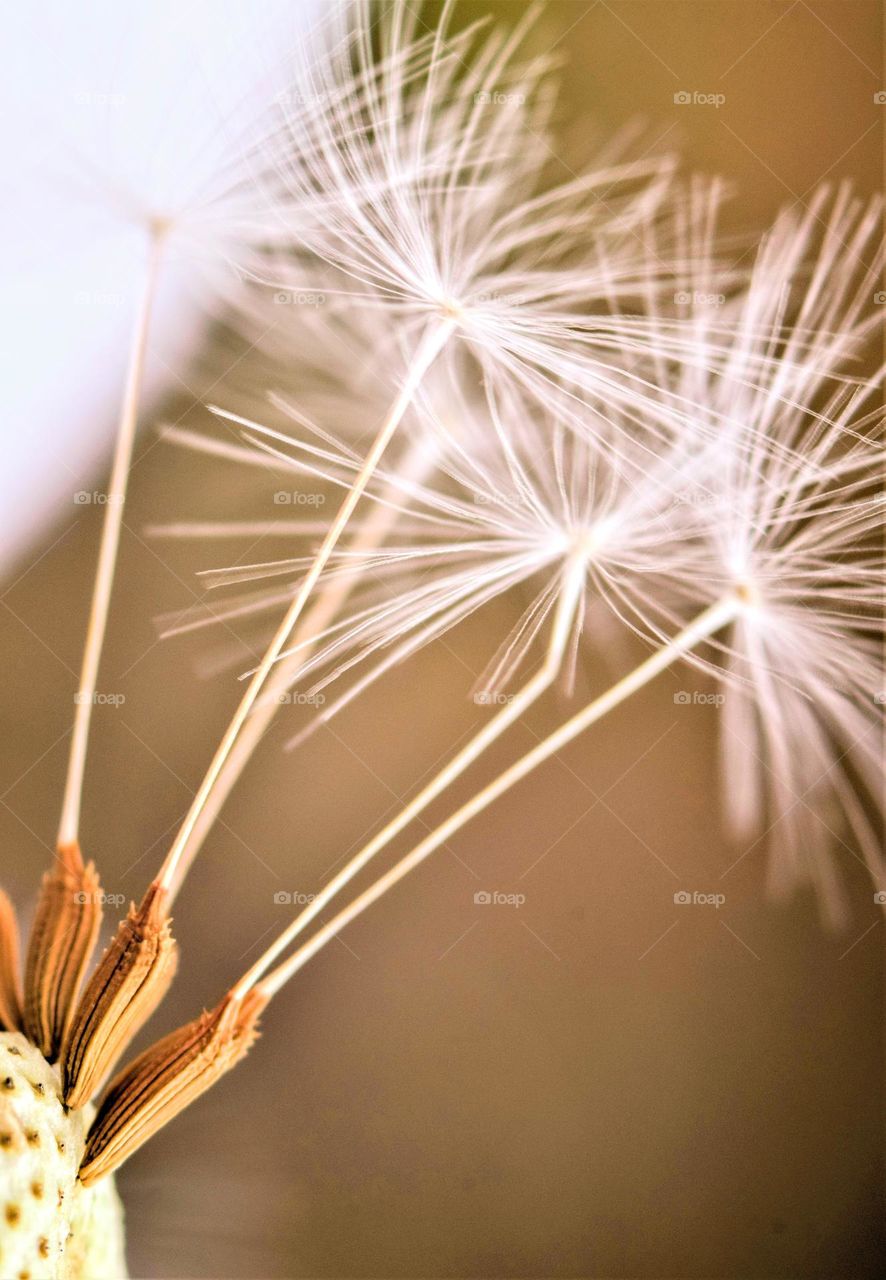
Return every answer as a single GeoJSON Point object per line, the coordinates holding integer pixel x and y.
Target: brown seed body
{"type": "Point", "coordinates": [10, 977]}
{"type": "Point", "coordinates": [131, 979]}
{"type": "Point", "coordinates": [63, 937]}
{"type": "Point", "coordinates": [166, 1078]}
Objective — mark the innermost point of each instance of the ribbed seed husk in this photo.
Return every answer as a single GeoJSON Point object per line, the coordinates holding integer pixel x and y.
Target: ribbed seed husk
{"type": "Point", "coordinates": [131, 979]}
{"type": "Point", "coordinates": [63, 937]}
{"type": "Point", "coordinates": [168, 1076]}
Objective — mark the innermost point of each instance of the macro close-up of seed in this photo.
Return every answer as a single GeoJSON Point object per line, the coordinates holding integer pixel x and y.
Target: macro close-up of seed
{"type": "Point", "coordinates": [443, 598]}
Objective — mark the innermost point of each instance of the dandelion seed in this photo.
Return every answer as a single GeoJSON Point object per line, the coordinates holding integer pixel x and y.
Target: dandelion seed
{"type": "Point", "coordinates": [708, 479]}
{"type": "Point", "coordinates": [63, 937]}
{"type": "Point", "coordinates": [785, 560]}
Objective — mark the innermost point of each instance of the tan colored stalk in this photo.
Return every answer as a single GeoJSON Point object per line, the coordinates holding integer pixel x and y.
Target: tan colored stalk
{"type": "Point", "coordinates": [69, 824]}
{"type": "Point", "coordinates": [564, 620]}
{"type": "Point", "coordinates": [330, 600]}
{"type": "Point", "coordinates": [712, 620]}
{"type": "Point", "coordinates": [175, 866]}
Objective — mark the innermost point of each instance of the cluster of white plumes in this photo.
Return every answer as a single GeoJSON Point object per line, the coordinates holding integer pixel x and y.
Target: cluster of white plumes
{"type": "Point", "coordinates": [579, 392]}
{"type": "Point", "coordinates": [606, 406]}
{"type": "Point", "coordinates": [583, 396]}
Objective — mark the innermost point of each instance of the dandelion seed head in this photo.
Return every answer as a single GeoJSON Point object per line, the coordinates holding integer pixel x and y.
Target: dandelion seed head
{"type": "Point", "coordinates": [792, 524]}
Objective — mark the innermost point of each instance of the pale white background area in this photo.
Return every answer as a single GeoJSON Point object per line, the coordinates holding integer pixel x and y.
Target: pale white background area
{"type": "Point", "coordinates": [107, 110]}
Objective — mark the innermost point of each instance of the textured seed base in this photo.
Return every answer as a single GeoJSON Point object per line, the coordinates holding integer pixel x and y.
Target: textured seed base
{"type": "Point", "coordinates": [51, 1227]}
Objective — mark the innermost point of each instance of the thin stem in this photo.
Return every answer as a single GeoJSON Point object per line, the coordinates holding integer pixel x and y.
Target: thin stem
{"type": "Point", "coordinates": [490, 733]}
{"type": "Point", "coordinates": [705, 625]}
{"type": "Point", "coordinates": [429, 348]}
{"type": "Point", "coordinates": [69, 824]}
{"type": "Point", "coordinates": [330, 601]}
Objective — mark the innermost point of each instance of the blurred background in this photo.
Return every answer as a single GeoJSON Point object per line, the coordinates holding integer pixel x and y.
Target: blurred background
{"type": "Point", "coordinates": [599, 1083]}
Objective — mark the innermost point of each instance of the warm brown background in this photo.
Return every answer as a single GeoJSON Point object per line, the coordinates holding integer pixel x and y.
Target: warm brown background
{"type": "Point", "coordinates": [601, 1084]}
